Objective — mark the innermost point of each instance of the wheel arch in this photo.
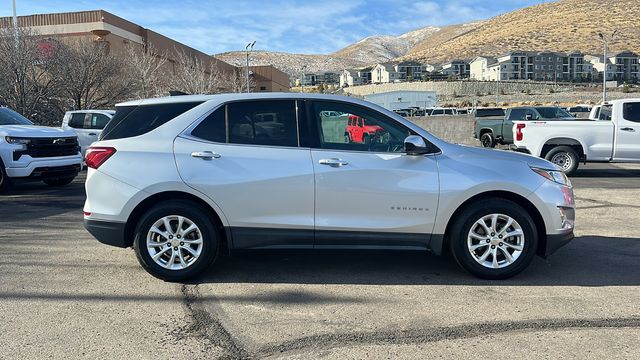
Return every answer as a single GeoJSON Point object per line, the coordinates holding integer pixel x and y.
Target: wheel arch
{"type": "Point", "coordinates": [160, 197]}
{"type": "Point", "coordinates": [499, 194]}
{"type": "Point", "coordinates": [563, 141]}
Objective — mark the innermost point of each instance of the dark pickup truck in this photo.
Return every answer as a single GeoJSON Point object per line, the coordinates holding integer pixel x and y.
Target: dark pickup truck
{"type": "Point", "coordinates": [494, 130]}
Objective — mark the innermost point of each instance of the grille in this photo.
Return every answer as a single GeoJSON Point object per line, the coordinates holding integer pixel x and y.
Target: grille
{"type": "Point", "coordinates": [50, 147]}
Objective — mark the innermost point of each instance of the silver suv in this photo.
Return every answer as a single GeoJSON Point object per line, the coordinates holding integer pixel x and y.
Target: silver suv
{"type": "Point", "coordinates": [182, 178]}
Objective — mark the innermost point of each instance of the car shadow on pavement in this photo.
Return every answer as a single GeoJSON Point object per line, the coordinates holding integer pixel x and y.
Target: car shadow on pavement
{"type": "Point", "coordinates": [606, 173]}
{"type": "Point", "coordinates": [586, 261]}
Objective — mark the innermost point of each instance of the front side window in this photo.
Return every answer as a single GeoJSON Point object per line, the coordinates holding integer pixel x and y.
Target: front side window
{"type": "Point", "coordinates": [516, 114]}
{"type": "Point", "coordinates": [377, 133]}
{"type": "Point", "coordinates": [77, 120]}
{"type": "Point", "coordinates": [272, 122]}
{"type": "Point", "coordinates": [96, 121]}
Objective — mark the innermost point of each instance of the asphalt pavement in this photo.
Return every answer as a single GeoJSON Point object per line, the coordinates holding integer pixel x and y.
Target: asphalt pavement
{"type": "Point", "coordinates": [64, 295]}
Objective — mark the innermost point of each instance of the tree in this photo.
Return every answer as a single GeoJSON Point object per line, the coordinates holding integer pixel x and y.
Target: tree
{"type": "Point", "coordinates": [145, 65]}
{"type": "Point", "coordinates": [26, 84]}
{"type": "Point", "coordinates": [93, 78]}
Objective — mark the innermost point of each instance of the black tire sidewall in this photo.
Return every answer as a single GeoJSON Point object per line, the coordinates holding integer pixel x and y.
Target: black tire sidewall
{"type": "Point", "coordinates": [4, 179]}
{"type": "Point", "coordinates": [194, 213]}
{"type": "Point", "coordinates": [470, 215]}
{"type": "Point", "coordinates": [491, 142]}
{"type": "Point", "coordinates": [570, 151]}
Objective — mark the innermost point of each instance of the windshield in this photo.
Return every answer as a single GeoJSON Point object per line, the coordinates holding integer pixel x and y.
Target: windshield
{"type": "Point", "coordinates": [10, 117]}
{"type": "Point", "coordinates": [553, 113]}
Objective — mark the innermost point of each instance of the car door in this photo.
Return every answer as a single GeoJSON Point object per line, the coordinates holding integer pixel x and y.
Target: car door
{"type": "Point", "coordinates": [95, 122]}
{"type": "Point", "coordinates": [246, 157]}
{"type": "Point", "coordinates": [77, 123]}
{"type": "Point", "coordinates": [627, 146]}
{"type": "Point", "coordinates": [370, 195]}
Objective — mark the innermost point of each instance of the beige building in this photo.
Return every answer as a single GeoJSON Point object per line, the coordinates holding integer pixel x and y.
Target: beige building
{"type": "Point", "coordinates": [118, 33]}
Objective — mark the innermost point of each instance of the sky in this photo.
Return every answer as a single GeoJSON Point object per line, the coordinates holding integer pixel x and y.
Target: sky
{"type": "Point", "coordinates": [299, 26]}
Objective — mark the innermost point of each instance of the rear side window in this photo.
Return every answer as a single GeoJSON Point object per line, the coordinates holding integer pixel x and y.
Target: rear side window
{"type": "Point", "coordinates": [631, 111]}
{"type": "Point", "coordinates": [77, 120]}
{"type": "Point", "coordinates": [263, 123]}
{"type": "Point", "coordinates": [130, 121]}
{"type": "Point", "coordinates": [212, 128]}
{"type": "Point", "coordinates": [96, 121]}
{"type": "Point", "coordinates": [517, 114]}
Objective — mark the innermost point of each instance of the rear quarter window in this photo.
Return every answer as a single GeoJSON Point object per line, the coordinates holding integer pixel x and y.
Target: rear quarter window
{"type": "Point", "coordinates": [130, 121]}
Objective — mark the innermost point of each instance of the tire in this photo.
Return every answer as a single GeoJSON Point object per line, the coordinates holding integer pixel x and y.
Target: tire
{"type": "Point", "coordinates": [566, 157]}
{"type": "Point", "coordinates": [59, 181]}
{"type": "Point", "coordinates": [5, 182]}
{"type": "Point", "coordinates": [487, 140]}
{"type": "Point", "coordinates": [205, 252]}
{"type": "Point", "coordinates": [347, 138]}
{"type": "Point", "coordinates": [521, 248]}
{"type": "Point", "coordinates": [366, 139]}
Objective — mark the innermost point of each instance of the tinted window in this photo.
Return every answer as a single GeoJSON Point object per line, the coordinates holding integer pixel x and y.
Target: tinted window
{"type": "Point", "coordinates": [631, 111]}
{"type": "Point", "coordinates": [10, 117]}
{"type": "Point", "coordinates": [605, 113]}
{"type": "Point", "coordinates": [96, 121]}
{"type": "Point", "coordinates": [132, 121]}
{"type": "Point", "coordinates": [77, 120]}
{"type": "Point", "coordinates": [263, 123]}
{"type": "Point", "coordinates": [553, 113]}
{"type": "Point", "coordinates": [517, 114]}
{"type": "Point", "coordinates": [212, 128]}
{"type": "Point", "coordinates": [489, 112]}
{"type": "Point", "coordinates": [379, 133]}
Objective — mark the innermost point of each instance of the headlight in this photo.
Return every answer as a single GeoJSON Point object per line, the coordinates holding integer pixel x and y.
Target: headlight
{"type": "Point", "coordinates": [17, 140]}
{"type": "Point", "coordinates": [556, 176]}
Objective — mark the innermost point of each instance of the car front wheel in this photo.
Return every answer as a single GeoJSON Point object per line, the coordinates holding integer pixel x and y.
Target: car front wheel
{"type": "Point", "coordinates": [494, 239]}
{"type": "Point", "coordinates": [175, 241]}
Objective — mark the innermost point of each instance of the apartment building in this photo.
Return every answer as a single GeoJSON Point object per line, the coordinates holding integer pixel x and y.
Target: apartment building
{"type": "Point", "coordinates": [626, 66]}
{"type": "Point", "coordinates": [384, 73]}
{"type": "Point", "coordinates": [456, 68]}
{"type": "Point", "coordinates": [354, 77]}
{"type": "Point", "coordinates": [538, 66]}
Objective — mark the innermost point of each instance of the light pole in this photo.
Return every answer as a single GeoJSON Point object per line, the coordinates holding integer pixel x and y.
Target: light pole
{"type": "Point", "coordinates": [304, 67]}
{"type": "Point", "coordinates": [497, 70]}
{"type": "Point", "coordinates": [15, 17]}
{"type": "Point", "coordinates": [248, 48]}
{"type": "Point", "coordinates": [604, 60]}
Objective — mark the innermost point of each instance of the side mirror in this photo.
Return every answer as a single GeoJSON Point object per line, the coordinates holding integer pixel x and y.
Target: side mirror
{"type": "Point", "coordinates": [528, 117]}
{"type": "Point", "coordinates": [415, 145]}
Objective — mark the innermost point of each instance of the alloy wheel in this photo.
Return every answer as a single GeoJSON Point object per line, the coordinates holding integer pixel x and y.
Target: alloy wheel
{"type": "Point", "coordinates": [174, 242]}
{"type": "Point", "coordinates": [495, 241]}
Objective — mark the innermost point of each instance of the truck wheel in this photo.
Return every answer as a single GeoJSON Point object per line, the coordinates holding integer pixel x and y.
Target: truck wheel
{"type": "Point", "coordinates": [4, 179]}
{"type": "Point", "coordinates": [347, 138]}
{"type": "Point", "coordinates": [494, 239]}
{"type": "Point", "coordinates": [59, 181]}
{"type": "Point", "coordinates": [565, 157]}
{"type": "Point", "coordinates": [487, 140]}
{"type": "Point", "coordinates": [175, 240]}
{"type": "Point", "coordinates": [366, 139]}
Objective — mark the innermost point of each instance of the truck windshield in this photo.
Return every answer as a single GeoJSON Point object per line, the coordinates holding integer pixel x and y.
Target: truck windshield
{"type": "Point", "coordinates": [553, 113]}
{"type": "Point", "coordinates": [10, 117]}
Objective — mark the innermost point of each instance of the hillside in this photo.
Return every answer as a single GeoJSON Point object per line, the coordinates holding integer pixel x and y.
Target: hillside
{"type": "Point", "coordinates": [291, 64]}
{"type": "Point", "coordinates": [565, 25]}
{"type": "Point", "coordinates": [375, 49]}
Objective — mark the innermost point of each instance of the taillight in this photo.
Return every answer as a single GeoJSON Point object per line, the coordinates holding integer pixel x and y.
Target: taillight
{"type": "Point", "coordinates": [519, 134]}
{"type": "Point", "coordinates": [96, 156]}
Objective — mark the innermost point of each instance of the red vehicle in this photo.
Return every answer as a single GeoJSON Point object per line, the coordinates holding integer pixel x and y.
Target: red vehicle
{"type": "Point", "coordinates": [359, 132]}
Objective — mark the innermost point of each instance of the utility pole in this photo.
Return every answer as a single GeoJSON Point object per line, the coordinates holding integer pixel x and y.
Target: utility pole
{"type": "Point", "coordinates": [248, 48]}
{"type": "Point", "coordinates": [304, 67]}
{"type": "Point", "coordinates": [15, 17]}
{"type": "Point", "coordinates": [604, 60]}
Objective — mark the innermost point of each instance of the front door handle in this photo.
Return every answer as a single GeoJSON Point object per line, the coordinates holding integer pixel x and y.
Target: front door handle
{"type": "Point", "coordinates": [628, 129]}
{"type": "Point", "coordinates": [333, 162]}
{"type": "Point", "coordinates": [206, 155]}
{"type": "Point", "coordinates": [92, 134]}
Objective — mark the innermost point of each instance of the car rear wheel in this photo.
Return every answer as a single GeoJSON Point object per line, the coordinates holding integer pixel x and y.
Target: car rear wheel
{"type": "Point", "coordinates": [487, 140]}
{"type": "Point", "coordinates": [494, 239]}
{"type": "Point", "coordinates": [58, 181]}
{"type": "Point", "coordinates": [175, 241]}
{"type": "Point", "coordinates": [565, 157]}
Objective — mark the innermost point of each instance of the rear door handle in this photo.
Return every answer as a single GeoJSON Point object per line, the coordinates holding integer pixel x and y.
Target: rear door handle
{"type": "Point", "coordinates": [206, 155]}
{"type": "Point", "coordinates": [333, 162]}
{"type": "Point", "coordinates": [628, 129]}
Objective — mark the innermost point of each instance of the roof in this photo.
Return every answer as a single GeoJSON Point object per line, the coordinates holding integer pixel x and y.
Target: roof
{"type": "Point", "coordinates": [232, 97]}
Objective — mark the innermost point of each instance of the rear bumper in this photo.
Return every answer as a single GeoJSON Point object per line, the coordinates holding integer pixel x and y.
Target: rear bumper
{"type": "Point", "coordinates": [523, 150]}
{"type": "Point", "coordinates": [556, 241]}
{"type": "Point", "coordinates": [107, 232]}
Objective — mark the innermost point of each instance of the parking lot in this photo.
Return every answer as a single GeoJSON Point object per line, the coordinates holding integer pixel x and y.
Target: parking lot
{"type": "Point", "coordinates": [62, 294]}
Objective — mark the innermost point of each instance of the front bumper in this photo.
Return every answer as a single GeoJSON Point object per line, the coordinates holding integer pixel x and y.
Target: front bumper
{"type": "Point", "coordinates": [107, 232]}
{"type": "Point", "coordinates": [556, 241]}
{"type": "Point", "coordinates": [45, 165]}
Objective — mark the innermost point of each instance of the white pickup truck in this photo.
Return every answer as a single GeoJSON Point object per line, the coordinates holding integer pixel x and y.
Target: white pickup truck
{"type": "Point", "coordinates": [615, 137]}
{"type": "Point", "coordinates": [29, 152]}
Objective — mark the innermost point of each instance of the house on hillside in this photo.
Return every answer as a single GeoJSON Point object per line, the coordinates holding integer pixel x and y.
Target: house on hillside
{"type": "Point", "coordinates": [411, 70]}
{"type": "Point", "coordinates": [479, 68]}
{"type": "Point", "coordinates": [456, 68]}
{"type": "Point", "coordinates": [384, 73]}
{"type": "Point", "coordinates": [355, 77]}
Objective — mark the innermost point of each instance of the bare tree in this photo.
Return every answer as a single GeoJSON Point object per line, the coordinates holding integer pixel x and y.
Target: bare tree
{"type": "Point", "coordinates": [93, 77]}
{"type": "Point", "coordinates": [145, 65]}
{"type": "Point", "coordinates": [192, 75]}
{"type": "Point", "coordinates": [26, 84]}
